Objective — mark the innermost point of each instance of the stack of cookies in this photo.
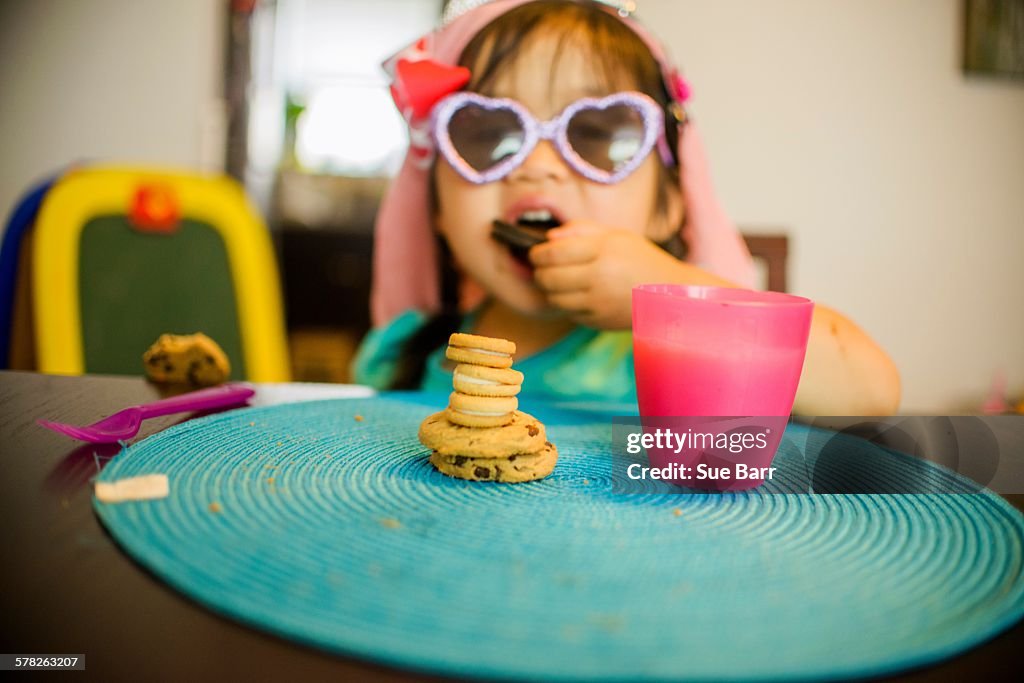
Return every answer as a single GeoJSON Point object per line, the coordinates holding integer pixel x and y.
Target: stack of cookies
{"type": "Point", "coordinates": [482, 436]}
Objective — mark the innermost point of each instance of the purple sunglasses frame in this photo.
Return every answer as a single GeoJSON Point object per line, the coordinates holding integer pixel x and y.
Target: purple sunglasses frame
{"type": "Point", "coordinates": [554, 131]}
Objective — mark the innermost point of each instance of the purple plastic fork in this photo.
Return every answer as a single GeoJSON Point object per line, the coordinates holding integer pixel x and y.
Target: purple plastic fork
{"type": "Point", "coordinates": [125, 424]}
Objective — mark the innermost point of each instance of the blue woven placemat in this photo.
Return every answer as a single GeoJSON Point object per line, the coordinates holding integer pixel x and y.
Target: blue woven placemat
{"type": "Point", "coordinates": [338, 533]}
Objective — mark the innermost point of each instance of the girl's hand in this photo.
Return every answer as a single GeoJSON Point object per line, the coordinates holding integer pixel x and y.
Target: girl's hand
{"type": "Point", "coordinates": [589, 271]}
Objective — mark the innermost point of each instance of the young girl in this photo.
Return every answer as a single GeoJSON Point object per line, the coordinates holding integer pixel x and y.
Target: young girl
{"type": "Point", "coordinates": [566, 116]}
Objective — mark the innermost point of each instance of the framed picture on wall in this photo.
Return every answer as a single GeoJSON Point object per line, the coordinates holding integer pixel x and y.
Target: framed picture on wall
{"type": "Point", "coordinates": [994, 37]}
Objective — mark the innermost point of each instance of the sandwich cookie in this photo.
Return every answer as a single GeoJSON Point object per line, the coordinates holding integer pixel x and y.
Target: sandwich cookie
{"type": "Point", "coordinates": [477, 350]}
{"type": "Point", "coordinates": [513, 469]}
{"type": "Point", "coordinates": [479, 380]}
{"type": "Point", "coordinates": [481, 411]}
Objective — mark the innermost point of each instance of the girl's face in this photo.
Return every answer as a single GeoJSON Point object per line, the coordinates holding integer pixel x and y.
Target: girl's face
{"type": "Point", "coordinates": [544, 182]}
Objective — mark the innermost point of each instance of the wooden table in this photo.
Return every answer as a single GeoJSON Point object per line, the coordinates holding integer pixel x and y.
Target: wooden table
{"type": "Point", "coordinates": [68, 589]}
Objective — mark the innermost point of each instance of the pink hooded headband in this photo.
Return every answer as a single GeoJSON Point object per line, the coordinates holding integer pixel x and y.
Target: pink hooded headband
{"type": "Point", "coordinates": [405, 272]}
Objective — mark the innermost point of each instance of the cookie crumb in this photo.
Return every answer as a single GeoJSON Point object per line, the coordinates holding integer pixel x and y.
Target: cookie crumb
{"type": "Point", "coordinates": [279, 443]}
{"type": "Point", "coordinates": [586, 482]}
{"type": "Point", "coordinates": [677, 512]}
{"type": "Point", "coordinates": [610, 623]}
{"type": "Point", "coordinates": [252, 424]}
{"type": "Point", "coordinates": [146, 487]}
{"type": "Point", "coordinates": [359, 418]}
{"type": "Point", "coordinates": [215, 507]}
{"type": "Point", "coordinates": [390, 523]}
{"type": "Point", "coordinates": [270, 480]}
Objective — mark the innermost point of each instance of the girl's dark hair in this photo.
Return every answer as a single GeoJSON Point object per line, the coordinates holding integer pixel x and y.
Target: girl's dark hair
{"type": "Point", "coordinates": [618, 55]}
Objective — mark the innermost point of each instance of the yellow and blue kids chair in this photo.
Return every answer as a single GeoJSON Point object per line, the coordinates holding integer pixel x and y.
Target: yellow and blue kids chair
{"type": "Point", "coordinates": [122, 255]}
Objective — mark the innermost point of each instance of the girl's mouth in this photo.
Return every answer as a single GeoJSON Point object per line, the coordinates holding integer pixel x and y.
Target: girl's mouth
{"type": "Point", "coordinates": [529, 230]}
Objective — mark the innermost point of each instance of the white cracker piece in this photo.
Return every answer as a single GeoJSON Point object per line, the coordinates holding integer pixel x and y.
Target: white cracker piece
{"type": "Point", "coordinates": [146, 487]}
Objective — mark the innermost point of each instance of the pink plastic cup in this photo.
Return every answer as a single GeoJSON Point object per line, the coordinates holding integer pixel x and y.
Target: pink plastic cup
{"type": "Point", "coordinates": [717, 352]}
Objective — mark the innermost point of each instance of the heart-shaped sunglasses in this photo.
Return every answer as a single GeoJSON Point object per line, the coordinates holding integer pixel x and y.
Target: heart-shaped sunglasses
{"type": "Point", "coordinates": [603, 139]}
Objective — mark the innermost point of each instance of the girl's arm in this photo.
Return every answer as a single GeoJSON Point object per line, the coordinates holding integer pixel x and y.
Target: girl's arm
{"type": "Point", "coordinates": [590, 272]}
{"type": "Point", "coordinates": [845, 371]}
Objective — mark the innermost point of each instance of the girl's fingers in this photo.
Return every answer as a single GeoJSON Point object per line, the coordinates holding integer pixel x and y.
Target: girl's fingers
{"type": "Point", "coordinates": [573, 229]}
{"type": "Point", "coordinates": [563, 252]}
{"type": "Point", "coordinates": [563, 278]}
{"type": "Point", "coordinates": [576, 303]}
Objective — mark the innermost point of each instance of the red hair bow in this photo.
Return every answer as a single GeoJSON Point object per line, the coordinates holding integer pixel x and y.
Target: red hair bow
{"type": "Point", "coordinates": [420, 84]}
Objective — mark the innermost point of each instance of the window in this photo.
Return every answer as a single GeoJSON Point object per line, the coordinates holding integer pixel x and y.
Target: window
{"type": "Point", "coordinates": [327, 56]}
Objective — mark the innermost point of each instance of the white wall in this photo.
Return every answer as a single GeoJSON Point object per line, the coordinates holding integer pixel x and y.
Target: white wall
{"type": "Point", "coordinates": [135, 81]}
{"type": "Point", "coordinates": [848, 122]}
{"type": "Point", "coordinates": [901, 182]}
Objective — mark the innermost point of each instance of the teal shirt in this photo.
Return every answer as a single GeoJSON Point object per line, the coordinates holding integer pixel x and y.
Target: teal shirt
{"type": "Point", "coordinates": [586, 366]}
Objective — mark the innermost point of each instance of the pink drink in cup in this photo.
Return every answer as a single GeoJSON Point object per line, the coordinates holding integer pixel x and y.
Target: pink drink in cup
{"type": "Point", "coordinates": [717, 352]}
